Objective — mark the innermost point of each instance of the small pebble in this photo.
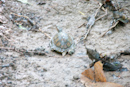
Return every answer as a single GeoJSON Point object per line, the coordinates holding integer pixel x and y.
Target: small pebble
{"type": "Point", "coordinates": [109, 32]}
{"type": "Point", "coordinates": [44, 70]}
{"type": "Point", "coordinates": [85, 66]}
{"type": "Point", "coordinates": [66, 85]}
{"type": "Point", "coordinates": [115, 77]}
{"type": "Point", "coordinates": [46, 52]}
{"type": "Point", "coordinates": [41, 74]}
{"type": "Point", "coordinates": [9, 78]}
{"type": "Point", "coordinates": [9, 82]}
{"type": "Point", "coordinates": [77, 66]}
{"type": "Point", "coordinates": [76, 77]}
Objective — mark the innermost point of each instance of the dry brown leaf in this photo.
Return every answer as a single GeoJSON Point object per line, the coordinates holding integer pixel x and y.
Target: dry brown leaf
{"type": "Point", "coordinates": [107, 84]}
{"type": "Point", "coordinates": [99, 74]}
{"type": "Point", "coordinates": [88, 83]}
{"type": "Point", "coordinates": [89, 73]}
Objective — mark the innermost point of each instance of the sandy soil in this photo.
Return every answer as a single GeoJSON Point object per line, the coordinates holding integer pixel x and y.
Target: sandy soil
{"type": "Point", "coordinates": [53, 70]}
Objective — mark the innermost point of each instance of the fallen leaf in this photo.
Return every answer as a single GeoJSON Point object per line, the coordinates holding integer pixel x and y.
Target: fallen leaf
{"type": "Point", "coordinates": [88, 83]}
{"type": "Point", "coordinates": [107, 84]}
{"type": "Point", "coordinates": [99, 74]}
{"type": "Point", "coordinates": [89, 73]}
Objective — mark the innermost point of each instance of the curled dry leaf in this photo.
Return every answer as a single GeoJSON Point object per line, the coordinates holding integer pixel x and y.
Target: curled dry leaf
{"type": "Point", "coordinates": [99, 74]}
{"type": "Point", "coordinates": [88, 83]}
{"type": "Point", "coordinates": [89, 73]}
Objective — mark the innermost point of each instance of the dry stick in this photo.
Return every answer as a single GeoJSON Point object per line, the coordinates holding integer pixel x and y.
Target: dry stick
{"type": "Point", "coordinates": [102, 15]}
{"type": "Point", "coordinates": [45, 34]}
{"type": "Point", "coordinates": [100, 5]}
{"type": "Point", "coordinates": [8, 39]}
{"type": "Point", "coordinates": [29, 20]}
{"type": "Point", "coordinates": [96, 14]}
{"type": "Point", "coordinates": [86, 34]}
{"type": "Point", "coordinates": [90, 27]}
{"type": "Point", "coordinates": [81, 25]}
{"type": "Point", "coordinates": [110, 28]}
{"type": "Point", "coordinates": [105, 10]}
{"type": "Point", "coordinates": [97, 18]}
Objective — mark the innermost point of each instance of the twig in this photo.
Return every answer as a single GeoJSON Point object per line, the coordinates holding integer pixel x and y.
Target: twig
{"type": "Point", "coordinates": [81, 25]}
{"type": "Point", "coordinates": [6, 37]}
{"type": "Point", "coordinates": [45, 34]}
{"type": "Point", "coordinates": [100, 5]}
{"type": "Point", "coordinates": [102, 15]}
{"type": "Point", "coordinates": [29, 20]}
{"type": "Point", "coordinates": [110, 28]}
{"type": "Point", "coordinates": [91, 22]}
{"type": "Point", "coordinates": [86, 34]}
